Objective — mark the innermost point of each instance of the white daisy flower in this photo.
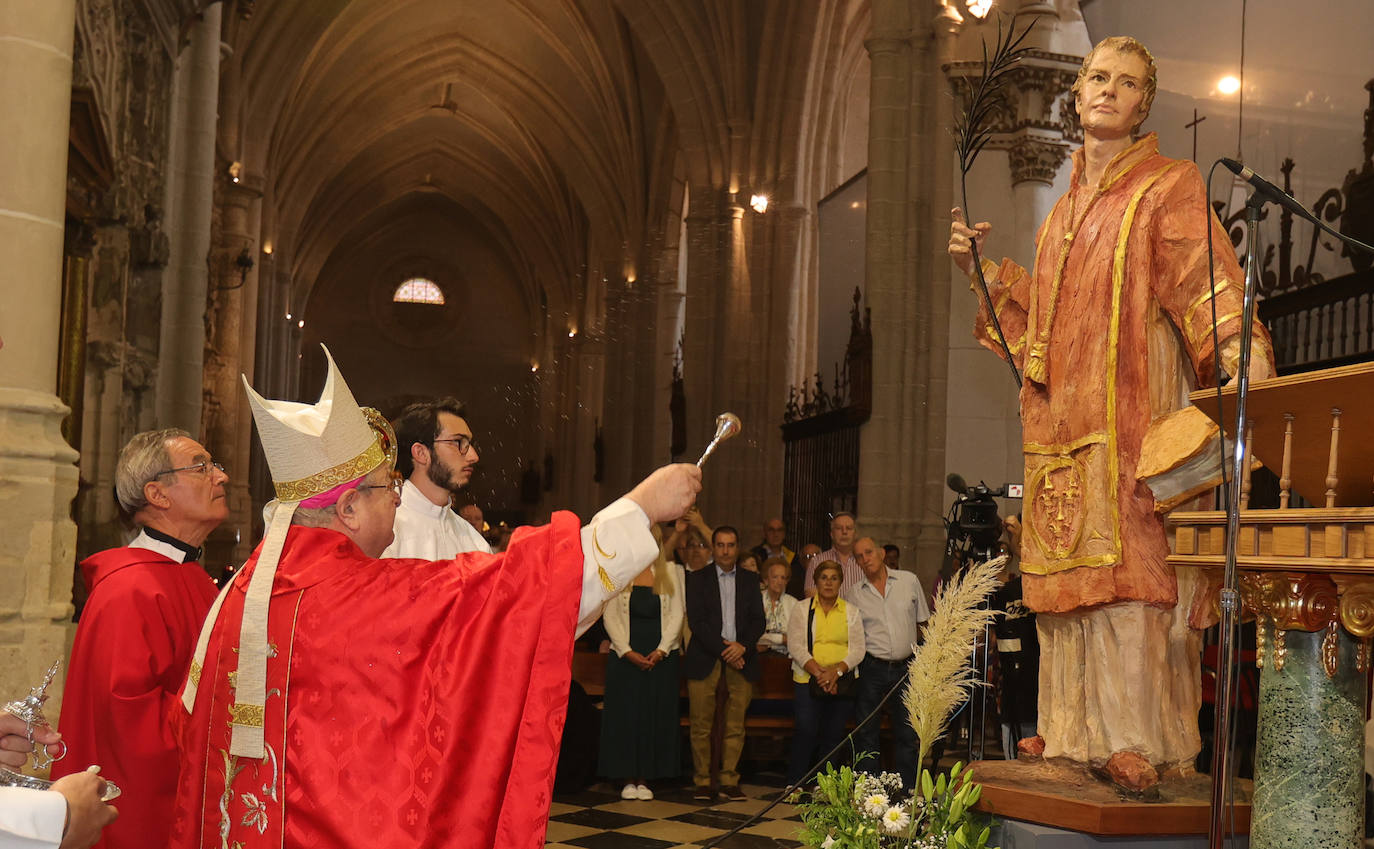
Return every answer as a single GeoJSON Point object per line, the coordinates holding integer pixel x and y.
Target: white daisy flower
{"type": "Point", "coordinates": [895, 820]}
{"type": "Point", "coordinates": [875, 804]}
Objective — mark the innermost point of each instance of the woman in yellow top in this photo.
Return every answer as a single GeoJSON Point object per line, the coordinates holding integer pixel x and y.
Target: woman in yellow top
{"type": "Point", "coordinates": [825, 638]}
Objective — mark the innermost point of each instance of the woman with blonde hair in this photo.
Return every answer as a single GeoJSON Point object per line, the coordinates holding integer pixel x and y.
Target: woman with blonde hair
{"type": "Point", "coordinates": [644, 624]}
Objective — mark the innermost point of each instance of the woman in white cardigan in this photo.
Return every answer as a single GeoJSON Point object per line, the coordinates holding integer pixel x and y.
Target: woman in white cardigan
{"type": "Point", "coordinates": [777, 605]}
{"type": "Point", "coordinates": [825, 637]}
{"type": "Point", "coordinates": [639, 722]}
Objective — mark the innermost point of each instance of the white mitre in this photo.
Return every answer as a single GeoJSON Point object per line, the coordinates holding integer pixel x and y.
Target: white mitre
{"type": "Point", "coordinates": [316, 452]}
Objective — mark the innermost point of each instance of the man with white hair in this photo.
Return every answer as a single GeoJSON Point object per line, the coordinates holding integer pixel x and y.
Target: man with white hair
{"type": "Point", "coordinates": [345, 700]}
{"type": "Point", "coordinates": [136, 634]}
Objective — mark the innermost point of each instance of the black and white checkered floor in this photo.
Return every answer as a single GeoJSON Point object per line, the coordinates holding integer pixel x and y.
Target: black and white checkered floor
{"type": "Point", "coordinates": [598, 818]}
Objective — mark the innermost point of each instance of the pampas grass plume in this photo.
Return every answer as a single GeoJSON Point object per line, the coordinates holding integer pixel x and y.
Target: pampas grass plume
{"type": "Point", "coordinates": [940, 675]}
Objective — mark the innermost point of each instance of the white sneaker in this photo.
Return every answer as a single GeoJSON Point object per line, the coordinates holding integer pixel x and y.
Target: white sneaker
{"type": "Point", "coordinates": [629, 791]}
{"type": "Point", "coordinates": [643, 793]}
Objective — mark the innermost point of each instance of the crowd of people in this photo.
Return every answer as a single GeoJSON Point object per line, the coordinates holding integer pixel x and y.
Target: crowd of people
{"type": "Point", "coordinates": [847, 618]}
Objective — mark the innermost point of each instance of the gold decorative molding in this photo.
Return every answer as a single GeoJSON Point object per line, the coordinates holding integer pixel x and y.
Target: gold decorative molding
{"type": "Point", "coordinates": [1292, 601]}
{"type": "Point", "coordinates": [1295, 601]}
{"type": "Point", "coordinates": [1330, 649]}
{"type": "Point", "coordinates": [1357, 605]}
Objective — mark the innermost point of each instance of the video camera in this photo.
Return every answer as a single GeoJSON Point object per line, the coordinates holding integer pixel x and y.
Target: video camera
{"type": "Point", "coordinates": [974, 529]}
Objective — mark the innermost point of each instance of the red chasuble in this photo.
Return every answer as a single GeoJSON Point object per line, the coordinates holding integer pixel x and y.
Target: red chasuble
{"type": "Point", "coordinates": [133, 646]}
{"type": "Point", "coordinates": [409, 703]}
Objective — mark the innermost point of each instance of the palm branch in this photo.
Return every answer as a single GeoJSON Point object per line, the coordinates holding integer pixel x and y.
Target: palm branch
{"type": "Point", "coordinates": [973, 130]}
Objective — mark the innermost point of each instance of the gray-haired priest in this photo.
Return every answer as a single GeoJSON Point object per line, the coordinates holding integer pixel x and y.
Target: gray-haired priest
{"type": "Point", "coordinates": [134, 641]}
{"type": "Point", "coordinates": [338, 699]}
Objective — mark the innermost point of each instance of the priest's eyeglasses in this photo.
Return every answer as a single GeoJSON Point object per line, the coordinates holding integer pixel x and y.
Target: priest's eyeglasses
{"type": "Point", "coordinates": [394, 485]}
{"type": "Point", "coordinates": [201, 468]}
{"type": "Point", "coordinates": [462, 443]}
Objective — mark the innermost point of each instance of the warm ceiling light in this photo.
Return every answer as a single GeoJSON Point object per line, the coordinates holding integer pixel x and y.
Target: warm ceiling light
{"type": "Point", "coordinates": [1228, 84]}
{"type": "Point", "coordinates": [572, 333]}
{"type": "Point", "coordinates": [288, 316]}
{"type": "Point", "coordinates": [301, 324]}
{"type": "Point", "coordinates": [854, 205]}
{"type": "Point", "coordinates": [759, 203]}
{"type": "Point", "coordinates": [979, 8]}
{"type": "Point", "coordinates": [534, 367]}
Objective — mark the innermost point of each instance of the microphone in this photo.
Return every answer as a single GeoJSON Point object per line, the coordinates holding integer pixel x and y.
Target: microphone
{"type": "Point", "coordinates": [955, 481]}
{"type": "Point", "coordinates": [1268, 190]}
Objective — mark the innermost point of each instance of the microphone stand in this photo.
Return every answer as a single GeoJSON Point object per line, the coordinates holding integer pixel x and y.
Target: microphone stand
{"type": "Point", "coordinates": [1230, 594]}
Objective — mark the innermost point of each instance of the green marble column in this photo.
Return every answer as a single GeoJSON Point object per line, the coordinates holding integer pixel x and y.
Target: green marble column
{"type": "Point", "coordinates": [1309, 763]}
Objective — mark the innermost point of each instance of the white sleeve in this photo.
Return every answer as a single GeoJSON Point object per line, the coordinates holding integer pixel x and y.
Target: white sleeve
{"type": "Point", "coordinates": [616, 546]}
{"type": "Point", "coordinates": [671, 638]}
{"type": "Point", "coordinates": [796, 637]}
{"type": "Point", "coordinates": [31, 819]}
{"type": "Point", "coordinates": [922, 609]}
{"type": "Point", "coordinates": [857, 647]}
{"type": "Point", "coordinates": [617, 627]}
{"type": "Point", "coordinates": [472, 540]}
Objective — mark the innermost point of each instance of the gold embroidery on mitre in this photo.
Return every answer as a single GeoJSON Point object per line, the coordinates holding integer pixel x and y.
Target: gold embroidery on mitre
{"type": "Point", "coordinates": [195, 674]}
{"type": "Point", "coordinates": [385, 431]}
{"type": "Point", "coordinates": [299, 490]}
{"type": "Point", "coordinates": [246, 715]}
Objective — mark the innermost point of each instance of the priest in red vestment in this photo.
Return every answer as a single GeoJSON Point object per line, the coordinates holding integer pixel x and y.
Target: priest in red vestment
{"type": "Point", "coordinates": [337, 699]}
{"type": "Point", "coordinates": [133, 644]}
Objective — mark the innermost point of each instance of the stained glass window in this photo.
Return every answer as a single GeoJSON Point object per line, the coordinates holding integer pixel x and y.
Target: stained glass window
{"type": "Point", "coordinates": [418, 290]}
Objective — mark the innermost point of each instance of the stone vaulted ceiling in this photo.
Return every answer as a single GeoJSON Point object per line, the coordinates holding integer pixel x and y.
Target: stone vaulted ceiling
{"type": "Point", "coordinates": [535, 117]}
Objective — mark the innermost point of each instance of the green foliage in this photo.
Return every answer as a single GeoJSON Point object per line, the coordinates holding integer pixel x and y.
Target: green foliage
{"type": "Point", "coordinates": [856, 810]}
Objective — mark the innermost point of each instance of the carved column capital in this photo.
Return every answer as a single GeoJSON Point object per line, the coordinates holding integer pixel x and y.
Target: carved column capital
{"type": "Point", "coordinates": [1037, 98]}
{"type": "Point", "coordinates": [1297, 601]}
{"type": "Point", "coordinates": [886, 45]}
{"type": "Point", "coordinates": [1036, 160]}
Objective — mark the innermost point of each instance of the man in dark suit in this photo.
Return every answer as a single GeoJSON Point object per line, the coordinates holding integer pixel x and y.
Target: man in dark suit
{"type": "Point", "coordinates": [725, 612]}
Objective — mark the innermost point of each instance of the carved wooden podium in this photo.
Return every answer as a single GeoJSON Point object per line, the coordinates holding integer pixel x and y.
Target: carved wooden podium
{"type": "Point", "coordinates": [1307, 578]}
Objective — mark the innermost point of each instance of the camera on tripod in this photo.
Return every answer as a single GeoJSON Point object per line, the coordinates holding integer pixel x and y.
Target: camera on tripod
{"type": "Point", "coordinates": [974, 528]}
{"type": "Point", "coordinates": [974, 535]}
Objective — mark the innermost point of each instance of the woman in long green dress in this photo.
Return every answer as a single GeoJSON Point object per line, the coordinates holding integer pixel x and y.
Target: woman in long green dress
{"type": "Point", "coordinates": [639, 723]}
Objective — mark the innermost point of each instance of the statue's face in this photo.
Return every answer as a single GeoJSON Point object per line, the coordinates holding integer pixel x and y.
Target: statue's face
{"type": "Point", "coordinates": [1109, 102]}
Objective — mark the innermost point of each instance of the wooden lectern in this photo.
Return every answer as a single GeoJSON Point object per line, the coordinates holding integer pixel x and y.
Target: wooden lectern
{"type": "Point", "coordinates": [1307, 579]}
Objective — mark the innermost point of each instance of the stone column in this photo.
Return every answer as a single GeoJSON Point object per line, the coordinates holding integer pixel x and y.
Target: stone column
{"type": "Point", "coordinates": [1309, 756]}
{"type": "Point", "coordinates": [901, 456]}
{"type": "Point", "coordinates": [703, 335]}
{"type": "Point", "coordinates": [231, 320]}
{"type": "Point", "coordinates": [189, 202]}
{"type": "Point", "coordinates": [725, 367]}
{"type": "Point", "coordinates": [37, 475]}
{"type": "Point", "coordinates": [1035, 164]}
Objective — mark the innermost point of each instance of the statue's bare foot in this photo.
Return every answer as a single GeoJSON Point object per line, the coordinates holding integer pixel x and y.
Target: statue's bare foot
{"type": "Point", "coordinates": [1031, 748]}
{"type": "Point", "coordinates": [1131, 771]}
